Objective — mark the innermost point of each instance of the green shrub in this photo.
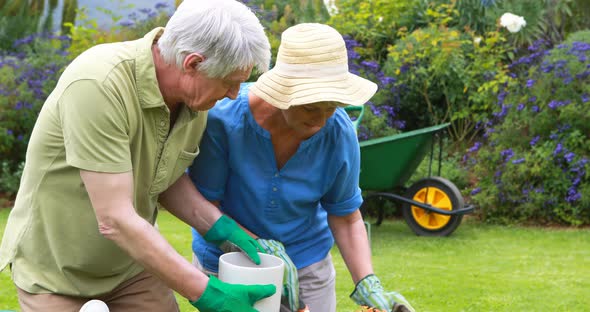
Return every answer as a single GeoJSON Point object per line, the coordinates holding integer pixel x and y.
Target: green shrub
{"type": "Point", "coordinates": [578, 20]}
{"type": "Point", "coordinates": [10, 177]}
{"type": "Point", "coordinates": [546, 19]}
{"type": "Point", "coordinates": [430, 48]}
{"type": "Point", "coordinates": [277, 16]}
{"type": "Point", "coordinates": [299, 11]}
{"type": "Point", "coordinates": [447, 75]}
{"type": "Point", "coordinates": [86, 32]}
{"type": "Point", "coordinates": [580, 36]}
{"type": "Point", "coordinates": [374, 23]}
{"type": "Point", "coordinates": [534, 164]}
{"type": "Point", "coordinates": [479, 16]}
{"type": "Point", "coordinates": [19, 19]}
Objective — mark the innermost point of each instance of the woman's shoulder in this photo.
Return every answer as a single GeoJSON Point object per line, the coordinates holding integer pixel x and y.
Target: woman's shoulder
{"type": "Point", "coordinates": [342, 124]}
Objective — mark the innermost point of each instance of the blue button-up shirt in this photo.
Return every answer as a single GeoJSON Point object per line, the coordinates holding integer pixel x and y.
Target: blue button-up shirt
{"type": "Point", "coordinates": [237, 167]}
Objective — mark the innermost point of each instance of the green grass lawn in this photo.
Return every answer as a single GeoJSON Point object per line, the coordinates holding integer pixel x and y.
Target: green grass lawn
{"type": "Point", "coordinates": [479, 268]}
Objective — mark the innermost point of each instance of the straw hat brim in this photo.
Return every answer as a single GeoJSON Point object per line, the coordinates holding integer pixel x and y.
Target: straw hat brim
{"type": "Point", "coordinates": [284, 92]}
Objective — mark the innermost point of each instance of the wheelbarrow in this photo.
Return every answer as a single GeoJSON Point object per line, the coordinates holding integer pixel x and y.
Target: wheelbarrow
{"type": "Point", "coordinates": [432, 206]}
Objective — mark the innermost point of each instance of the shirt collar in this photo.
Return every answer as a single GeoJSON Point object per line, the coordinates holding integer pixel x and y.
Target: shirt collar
{"type": "Point", "coordinates": [148, 90]}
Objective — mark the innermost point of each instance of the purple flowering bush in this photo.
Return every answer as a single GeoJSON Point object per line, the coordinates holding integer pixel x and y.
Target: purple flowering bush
{"type": "Point", "coordinates": [30, 73]}
{"type": "Point", "coordinates": [381, 116]}
{"type": "Point", "coordinates": [533, 164]}
{"type": "Point", "coordinates": [27, 76]}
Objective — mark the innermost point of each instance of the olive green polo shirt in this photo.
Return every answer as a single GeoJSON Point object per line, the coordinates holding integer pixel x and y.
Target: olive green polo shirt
{"type": "Point", "coordinates": [106, 114]}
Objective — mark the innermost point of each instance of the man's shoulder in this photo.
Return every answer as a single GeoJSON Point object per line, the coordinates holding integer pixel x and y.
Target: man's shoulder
{"type": "Point", "coordinates": [102, 60]}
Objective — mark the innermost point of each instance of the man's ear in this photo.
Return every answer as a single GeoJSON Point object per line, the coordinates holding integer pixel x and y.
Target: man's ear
{"type": "Point", "coordinates": [191, 62]}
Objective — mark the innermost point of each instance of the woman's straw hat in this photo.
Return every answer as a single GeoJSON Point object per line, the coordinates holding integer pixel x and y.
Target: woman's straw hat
{"type": "Point", "coordinates": [311, 67]}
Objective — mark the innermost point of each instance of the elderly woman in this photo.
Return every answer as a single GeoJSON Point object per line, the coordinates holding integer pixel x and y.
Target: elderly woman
{"type": "Point", "coordinates": [282, 160]}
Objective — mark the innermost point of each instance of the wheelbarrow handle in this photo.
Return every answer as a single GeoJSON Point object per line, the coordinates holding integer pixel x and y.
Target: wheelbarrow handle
{"type": "Point", "coordinates": [461, 210]}
{"type": "Point", "coordinates": [358, 119]}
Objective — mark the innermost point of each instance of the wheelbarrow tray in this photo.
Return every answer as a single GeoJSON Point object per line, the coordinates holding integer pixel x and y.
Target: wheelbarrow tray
{"type": "Point", "coordinates": [389, 162]}
{"type": "Point", "coordinates": [432, 206]}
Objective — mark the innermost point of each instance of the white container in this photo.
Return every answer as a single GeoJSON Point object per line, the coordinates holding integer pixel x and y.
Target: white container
{"type": "Point", "coordinates": [236, 268]}
{"type": "Point", "coordinates": [94, 306]}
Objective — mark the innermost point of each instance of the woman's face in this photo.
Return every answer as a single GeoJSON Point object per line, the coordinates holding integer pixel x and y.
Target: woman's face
{"type": "Point", "coordinates": [307, 120]}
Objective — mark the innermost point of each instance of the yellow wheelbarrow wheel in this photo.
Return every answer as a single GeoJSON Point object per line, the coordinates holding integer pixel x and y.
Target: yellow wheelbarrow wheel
{"type": "Point", "coordinates": [439, 193]}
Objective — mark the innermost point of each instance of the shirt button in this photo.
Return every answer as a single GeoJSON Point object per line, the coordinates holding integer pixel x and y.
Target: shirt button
{"type": "Point", "coordinates": [274, 189]}
{"type": "Point", "coordinates": [162, 123]}
{"type": "Point", "coordinates": [272, 202]}
{"type": "Point", "coordinates": [276, 174]}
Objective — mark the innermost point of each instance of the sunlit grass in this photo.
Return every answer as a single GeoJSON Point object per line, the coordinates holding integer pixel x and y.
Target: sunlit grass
{"type": "Point", "coordinates": [479, 268]}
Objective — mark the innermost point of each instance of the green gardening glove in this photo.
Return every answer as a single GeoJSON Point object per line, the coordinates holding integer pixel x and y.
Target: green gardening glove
{"type": "Point", "coordinates": [291, 280]}
{"type": "Point", "coordinates": [227, 235]}
{"type": "Point", "coordinates": [223, 297]}
{"type": "Point", "coordinates": [369, 292]}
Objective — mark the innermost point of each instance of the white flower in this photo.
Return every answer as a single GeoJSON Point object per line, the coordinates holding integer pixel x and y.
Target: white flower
{"type": "Point", "coordinates": [477, 40]}
{"type": "Point", "coordinates": [512, 22]}
{"type": "Point", "coordinates": [331, 6]}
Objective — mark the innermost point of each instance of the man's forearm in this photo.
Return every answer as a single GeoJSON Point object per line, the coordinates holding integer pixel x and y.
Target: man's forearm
{"type": "Point", "coordinates": [184, 201]}
{"type": "Point", "coordinates": [111, 195]}
{"type": "Point", "coordinates": [146, 245]}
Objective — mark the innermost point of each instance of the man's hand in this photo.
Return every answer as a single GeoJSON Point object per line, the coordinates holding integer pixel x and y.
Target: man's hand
{"type": "Point", "coordinates": [369, 292]}
{"type": "Point", "coordinates": [223, 297]}
{"type": "Point", "coordinates": [291, 280]}
{"type": "Point", "coordinates": [226, 231]}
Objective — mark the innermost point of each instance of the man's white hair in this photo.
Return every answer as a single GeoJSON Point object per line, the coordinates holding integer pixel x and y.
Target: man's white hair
{"type": "Point", "coordinates": [226, 32]}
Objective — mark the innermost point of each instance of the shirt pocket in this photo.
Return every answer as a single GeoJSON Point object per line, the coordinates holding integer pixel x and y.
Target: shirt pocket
{"type": "Point", "coordinates": [170, 168]}
{"type": "Point", "coordinates": [185, 159]}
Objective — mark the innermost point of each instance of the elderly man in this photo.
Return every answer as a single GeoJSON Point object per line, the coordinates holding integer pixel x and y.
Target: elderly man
{"type": "Point", "coordinates": [112, 140]}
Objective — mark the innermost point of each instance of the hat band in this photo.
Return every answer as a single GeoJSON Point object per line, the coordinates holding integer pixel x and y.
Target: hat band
{"type": "Point", "coordinates": [310, 70]}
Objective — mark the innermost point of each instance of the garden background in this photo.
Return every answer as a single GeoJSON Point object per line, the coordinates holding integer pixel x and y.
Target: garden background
{"type": "Point", "coordinates": [517, 102]}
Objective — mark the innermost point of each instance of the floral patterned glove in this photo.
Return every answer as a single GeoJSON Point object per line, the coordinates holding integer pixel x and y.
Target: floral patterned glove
{"type": "Point", "coordinates": [291, 280]}
{"type": "Point", "coordinates": [369, 292]}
